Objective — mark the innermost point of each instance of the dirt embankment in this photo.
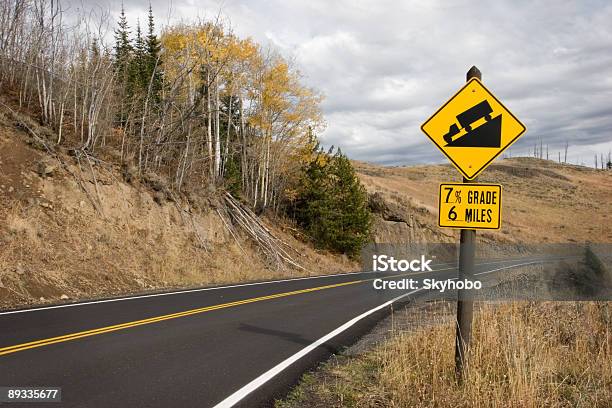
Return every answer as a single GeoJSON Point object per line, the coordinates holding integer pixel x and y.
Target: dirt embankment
{"type": "Point", "coordinates": [86, 230]}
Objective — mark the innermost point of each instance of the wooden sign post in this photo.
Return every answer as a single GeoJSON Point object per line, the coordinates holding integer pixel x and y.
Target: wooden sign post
{"type": "Point", "coordinates": [465, 307]}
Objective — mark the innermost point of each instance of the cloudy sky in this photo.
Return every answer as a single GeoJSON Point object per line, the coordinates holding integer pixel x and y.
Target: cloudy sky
{"type": "Point", "coordinates": [385, 66]}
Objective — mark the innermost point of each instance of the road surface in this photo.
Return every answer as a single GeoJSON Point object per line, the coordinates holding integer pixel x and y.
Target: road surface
{"type": "Point", "coordinates": [239, 345]}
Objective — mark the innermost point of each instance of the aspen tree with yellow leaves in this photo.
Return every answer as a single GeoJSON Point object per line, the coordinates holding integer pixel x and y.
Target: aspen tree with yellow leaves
{"type": "Point", "coordinates": [257, 100]}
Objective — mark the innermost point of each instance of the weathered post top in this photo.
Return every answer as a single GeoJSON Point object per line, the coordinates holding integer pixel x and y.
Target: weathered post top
{"type": "Point", "coordinates": [473, 73]}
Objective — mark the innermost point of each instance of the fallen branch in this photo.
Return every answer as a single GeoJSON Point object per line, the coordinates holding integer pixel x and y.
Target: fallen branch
{"type": "Point", "coordinates": [93, 174]}
{"type": "Point", "coordinates": [271, 246]}
{"type": "Point", "coordinates": [97, 204]}
{"type": "Point", "coordinates": [231, 231]}
{"type": "Point", "coordinates": [195, 229]}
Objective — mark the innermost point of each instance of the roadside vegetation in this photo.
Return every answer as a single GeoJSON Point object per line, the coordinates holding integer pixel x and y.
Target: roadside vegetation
{"type": "Point", "coordinates": [553, 354]}
{"type": "Point", "coordinates": [190, 109]}
{"type": "Point", "coordinates": [194, 104]}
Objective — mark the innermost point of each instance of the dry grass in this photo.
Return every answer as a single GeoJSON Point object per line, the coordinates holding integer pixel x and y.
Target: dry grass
{"type": "Point", "coordinates": [523, 355]}
{"type": "Point", "coordinates": [46, 253]}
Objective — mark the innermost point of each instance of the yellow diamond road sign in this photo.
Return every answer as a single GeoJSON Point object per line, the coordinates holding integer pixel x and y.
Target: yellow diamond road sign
{"type": "Point", "coordinates": [473, 128]}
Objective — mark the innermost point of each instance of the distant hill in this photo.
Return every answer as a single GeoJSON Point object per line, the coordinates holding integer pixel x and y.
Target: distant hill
{"type": "Point", "coordinates": [543, 201]}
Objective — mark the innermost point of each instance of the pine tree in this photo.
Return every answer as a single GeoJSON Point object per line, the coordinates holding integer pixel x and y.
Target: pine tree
{"type": "Point", "coordinates": [350, 225]}
{"type": "Point", "coordinates": [138, 69]}
{"type": "Point", "coordinates": [123, 56]}
{"type": "Point", "coordinates": [332, 205]}
{"type": "Point", "coordinates": [153, 61]}
{"type": "Point", "coordinates": [312, 202]}
{"type": "Point", "coordinates": [123, 46]}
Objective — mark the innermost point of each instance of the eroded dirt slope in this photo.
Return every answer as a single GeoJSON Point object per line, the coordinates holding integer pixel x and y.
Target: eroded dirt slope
{"type": "Point", "coordinates": [79, 231]}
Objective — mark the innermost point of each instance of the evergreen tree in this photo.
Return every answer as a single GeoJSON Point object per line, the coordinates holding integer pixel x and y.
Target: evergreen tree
{"type": "Point", "coordinates": [138, 69]}
{"type": "Point", "coordinates": [94, 52]}
{"type": "Point", "coordinates": [332, 204]}
{"type": "Point", "coordinates": [153, 61]}
{"type": "Point", "coordinates": [350, 226]}
{"type": "Point", "coordinates": [123, 46]}
{"type": "Point", "coordinates": [312, 202]}
{"type": "Point", "coordinates": [122, 61]}
{"type": "Point", "coordinates": [232, 176]}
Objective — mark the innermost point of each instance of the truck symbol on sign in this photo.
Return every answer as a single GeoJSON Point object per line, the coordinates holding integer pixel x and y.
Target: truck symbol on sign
{"type": "Point", "coordinates": [486, 135]}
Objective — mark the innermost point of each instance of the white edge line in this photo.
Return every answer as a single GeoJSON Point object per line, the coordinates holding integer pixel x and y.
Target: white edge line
{"type": "Point", "coordinates": [265, 377]}
{"type": "Point", "coordinates": [509, 267]}
{"type": "Point", "coordinates": [178, 292]}
{"type": "Point", "coordinates": [240, 394]}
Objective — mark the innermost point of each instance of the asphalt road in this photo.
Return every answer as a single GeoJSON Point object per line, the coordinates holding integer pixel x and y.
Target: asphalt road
{"type": "Point", "coordinates": [242, 345]}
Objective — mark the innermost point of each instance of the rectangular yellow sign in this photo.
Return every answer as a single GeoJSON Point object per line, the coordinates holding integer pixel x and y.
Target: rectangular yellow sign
{"type": "Point", "coordinates": [470, 206]}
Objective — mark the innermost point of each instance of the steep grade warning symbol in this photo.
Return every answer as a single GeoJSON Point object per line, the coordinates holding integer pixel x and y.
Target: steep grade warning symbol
{"type": "Point", "coordinates": [486, 135]}
{"type": "Point", "coordinates": [473, 128]}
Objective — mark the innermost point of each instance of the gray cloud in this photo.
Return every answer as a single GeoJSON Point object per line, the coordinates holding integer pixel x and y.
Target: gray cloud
{"type": "Point", "coordinates": [385, 67]}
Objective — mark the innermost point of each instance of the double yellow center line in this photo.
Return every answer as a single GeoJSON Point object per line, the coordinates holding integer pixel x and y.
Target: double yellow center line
{"type": "Point", "coordinates": [108, 329]}
{"type": "Point", "coordinates": [79, 335]}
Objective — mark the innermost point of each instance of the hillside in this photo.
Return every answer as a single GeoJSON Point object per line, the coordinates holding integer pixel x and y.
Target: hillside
{"type": "Point", "coordinates": [115, 158]}
{"type": "Point", "coordinates": [74, 226]}
{"type": "Point", "coordinates": [543, 202]}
